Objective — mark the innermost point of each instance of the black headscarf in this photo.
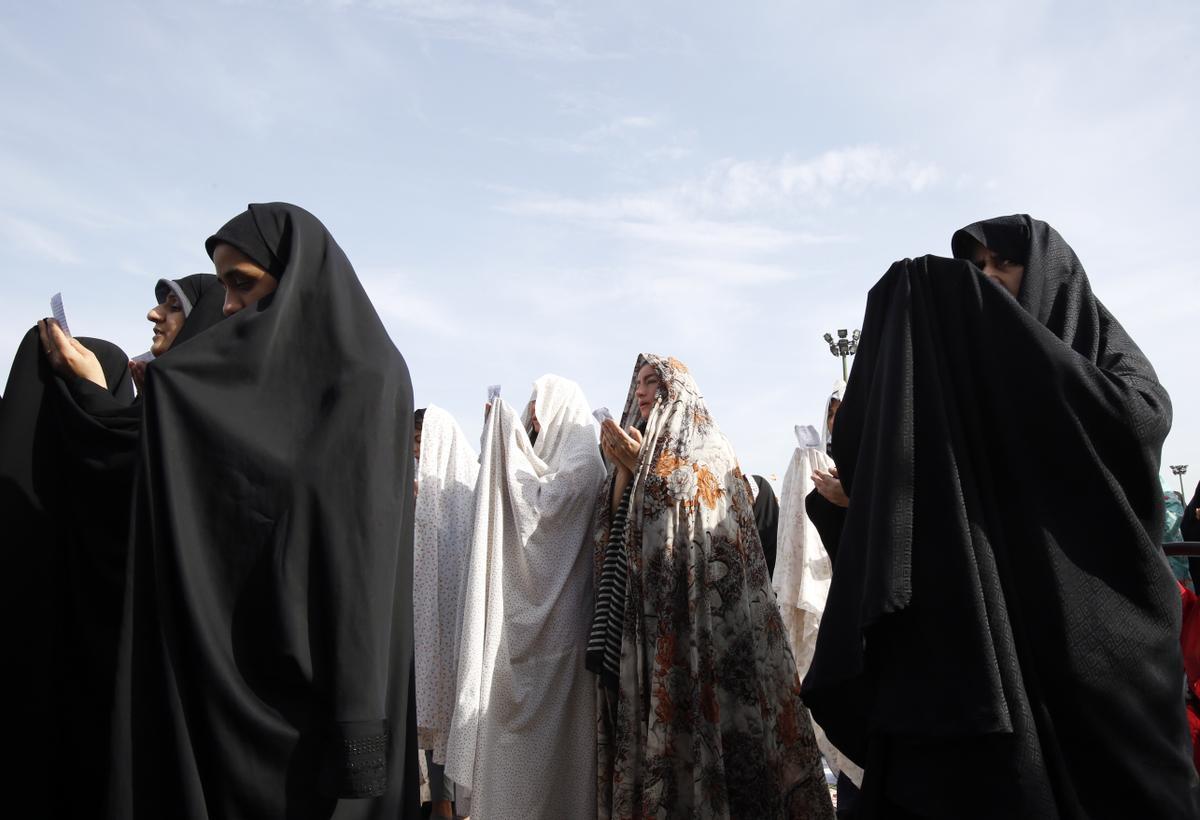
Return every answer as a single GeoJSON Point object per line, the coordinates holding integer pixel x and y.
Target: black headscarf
{"type": "Point", "coordinates": [64, 521]}
{"type": "Point", "coordinates": [267, 656]}
{"type": "Point", "coordinates": [766, 519]}
{"type": "Point", "coordinates": [202, 299]}
{"type": "Point", "coordinates": [259, 232]}
{"type": "Point", "coordinates": [1001, 611]}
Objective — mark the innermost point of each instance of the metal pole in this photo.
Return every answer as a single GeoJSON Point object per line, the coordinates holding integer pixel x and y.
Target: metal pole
{"type": "Point", "coordinates": [1179, 470]}
{"type": "Point", "coordinates": [846, 376]}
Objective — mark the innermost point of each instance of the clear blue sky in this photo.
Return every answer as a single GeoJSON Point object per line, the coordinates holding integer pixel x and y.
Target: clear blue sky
{"type": "Point", "coordinates": [552, 187]}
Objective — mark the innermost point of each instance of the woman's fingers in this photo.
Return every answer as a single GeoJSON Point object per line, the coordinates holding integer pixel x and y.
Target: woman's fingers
{"type": "Point", "coordinates": [58, 338]}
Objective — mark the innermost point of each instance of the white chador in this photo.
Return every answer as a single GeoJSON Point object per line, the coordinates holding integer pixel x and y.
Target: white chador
{"type": "Point", "coordinates": [523, 736]}
{"type": "Point", "coordinates": [445, 511]}
{"type": "Point", "coordinates": [803, 570]}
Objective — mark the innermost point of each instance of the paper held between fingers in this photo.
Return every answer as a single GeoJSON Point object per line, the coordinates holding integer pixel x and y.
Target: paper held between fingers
{"type": "Point", "coordinates": [59, 313]}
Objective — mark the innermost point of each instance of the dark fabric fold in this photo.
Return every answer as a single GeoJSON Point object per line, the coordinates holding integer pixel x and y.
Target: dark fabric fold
{"type": "Point", "coordinates": [266, 661]}
{"type": "Point", "coordinates": [766, 519]}
{"type": "Point", "coordinates": [1001, 611]}
{"type": "Point", "coordinates": [828, 518]}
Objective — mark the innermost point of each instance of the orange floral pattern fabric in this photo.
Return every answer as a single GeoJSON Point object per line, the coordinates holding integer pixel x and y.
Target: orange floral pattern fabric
{"type": "Point", "coordinates": [707, 721]}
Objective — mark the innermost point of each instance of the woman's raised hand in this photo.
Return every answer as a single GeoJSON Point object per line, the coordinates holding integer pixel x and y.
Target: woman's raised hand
{"type": "Point", "coordinates": [67, 356]}
{"type": "Point", "coordinates": [830, 487]}
{"type": "Point", "coordinates": [620, 446]}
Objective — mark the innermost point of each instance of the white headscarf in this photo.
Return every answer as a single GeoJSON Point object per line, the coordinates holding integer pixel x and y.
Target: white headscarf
{"type": "Point", "coordinates": [839, 389]}
{"type": "Point", "coordinates": [523, 736]}
{"type": "Point", "coordinates": [445, 511]}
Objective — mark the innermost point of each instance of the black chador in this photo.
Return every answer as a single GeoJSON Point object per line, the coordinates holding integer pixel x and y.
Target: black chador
{"type": "Point", "coordinates": [266, 657]}
{"type": "Point", "coordinates": [1001, 637]}
{"type": "Point", "coordinates": [766, 519]}
{"type": "Point", "coordinates": [64, 510]}
{"type": "Point", "coordinates": [68, 455]}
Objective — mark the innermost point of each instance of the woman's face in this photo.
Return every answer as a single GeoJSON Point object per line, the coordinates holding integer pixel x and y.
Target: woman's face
{"type": "Point", "coordinates": [533, 419]}
{"type": "Point", "coordinates": [834, 404]}
{"type": "Point", "coordinates": [648, 384]}
{"type": "Point", "coordinates": [245, 282]}
{"type": "Point", "coordinates": [168, 319]}
{"type": "Point", "coordinates": [1003, 271]}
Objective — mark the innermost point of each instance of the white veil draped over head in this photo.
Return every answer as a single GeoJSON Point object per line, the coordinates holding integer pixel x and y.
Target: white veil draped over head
{"type": "Point", "coordinates": [803, 570]}
{"type": "Point", "coordinates": [523, 735]}
{"type": "Point", "coordinates": [839, 390]}
{"type": "Point", "coordinates": [445, 511]}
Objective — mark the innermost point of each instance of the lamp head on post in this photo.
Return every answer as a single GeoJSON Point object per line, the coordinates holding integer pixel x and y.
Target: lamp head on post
{"type": "Point", "coordinates": [844, 346]}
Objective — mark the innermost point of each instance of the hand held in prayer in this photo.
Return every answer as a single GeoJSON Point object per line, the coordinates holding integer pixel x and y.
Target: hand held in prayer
{"type": "Point", "coordinates": [830, 487]}
{"type": "Point", "coordinates": [68, 357]}
{"type": "Point", "coordinates": [619, 446]}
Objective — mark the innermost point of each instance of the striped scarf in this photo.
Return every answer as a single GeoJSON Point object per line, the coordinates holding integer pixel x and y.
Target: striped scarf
{"type": "Point", "coordinates": [608, 619]}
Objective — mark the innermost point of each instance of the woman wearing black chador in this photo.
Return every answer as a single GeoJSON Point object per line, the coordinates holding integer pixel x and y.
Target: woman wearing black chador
{"type": "Point", "coordinates": [266, 660]}
{"type": "Point", "coordinates": [1001, 637]}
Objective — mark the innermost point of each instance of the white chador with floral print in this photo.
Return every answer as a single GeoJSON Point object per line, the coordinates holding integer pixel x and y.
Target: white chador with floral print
{"type": "Point", "coordinates": [706, 720]}
{"type": "Point", "coordinates": [445, 513]}
{"type": "Point", "coordinates": [523, 735]}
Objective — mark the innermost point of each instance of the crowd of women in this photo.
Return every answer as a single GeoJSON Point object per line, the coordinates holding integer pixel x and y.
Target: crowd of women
{"type": "Point", "coordinates": [261, 585]}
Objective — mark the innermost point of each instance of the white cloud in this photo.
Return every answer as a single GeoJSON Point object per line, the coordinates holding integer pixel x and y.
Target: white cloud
{"type": "Point", "coordinates": [739, 207]}
{"type": "Point", "coordinates": [738, 185]}
{"type": "Point", "coordinates": [38, 240]}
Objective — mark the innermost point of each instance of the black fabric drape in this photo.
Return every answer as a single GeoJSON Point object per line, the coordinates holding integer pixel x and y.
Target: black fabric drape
{"type": "Point", "coordinates": [266, 661]}
{"type": "Point", "coordinates": [1189, 527]}
{"type": "Point", "coordinates": [64, 510]}
{"type": "Point", "coordinates": [766, 519]}
{"type": "Point", "coordinates": [1001, 612]}
{"type": "Point", "coordinates": [828, 518]}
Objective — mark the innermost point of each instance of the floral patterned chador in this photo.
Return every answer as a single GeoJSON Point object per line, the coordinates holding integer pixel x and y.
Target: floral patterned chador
{"type": "Point", "coordinates": [707, 720]}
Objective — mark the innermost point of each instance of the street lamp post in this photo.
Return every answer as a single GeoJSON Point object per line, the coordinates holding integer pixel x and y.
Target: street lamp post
{"type": "Point", "coordinates": [1179, 470]}
{"type": "Point", "coordinates": [845, 346]}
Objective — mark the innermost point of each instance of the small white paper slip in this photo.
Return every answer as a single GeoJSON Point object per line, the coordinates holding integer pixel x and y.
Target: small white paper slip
{"type": "Point", "coordinates": [601, 414]}
{"type": "Point", "coordinates": [60, 315]}
{"type": "Point", "coordinates": [493, 392]}
{"type": "Point", "coordinates": [144, 357]}
{"type": "Point", "coordinates": [807, 435]}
